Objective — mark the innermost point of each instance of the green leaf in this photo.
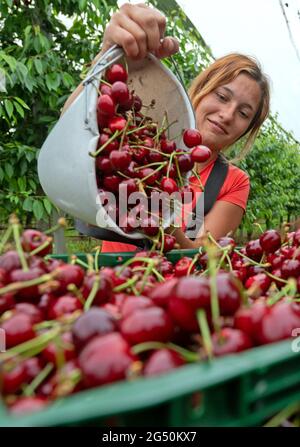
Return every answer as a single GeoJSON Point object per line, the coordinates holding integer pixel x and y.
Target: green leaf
{"type": "Point", "coordinates": [11, 61]}
{"type": "Point", "coordinates": [38, 209]}
{"type": "Point", "coordinates": [23, 104]}
{"type": "Point", "coordinates": [27, 205]}
{"type": "Point", "coordinates": [9, 107]}
{"type": "Point", "coordinates": [8, 170]}
{"type": "Point", "coordinates": [1, 175]}
{"type": "Point", "coordinates": [82, 4]}
{"type": "Point", "coordinates": [47, 205]}
{"type": "Point", "coordinates": [52, 81]}
{"type": "Point", "coordinates": [22, 183]}
{"type": "Point", "coordinates": [19, 109]}
{"type": "Point", "coordinates": [38, 65]}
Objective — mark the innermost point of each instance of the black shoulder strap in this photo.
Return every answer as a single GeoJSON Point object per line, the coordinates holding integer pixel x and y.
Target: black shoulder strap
{"type": "Point", "coordinates": [215, 182]}
{"type": "Point", "coordinates": [212, 188]}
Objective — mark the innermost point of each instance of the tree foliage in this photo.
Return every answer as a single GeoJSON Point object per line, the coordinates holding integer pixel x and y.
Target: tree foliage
{"type": "Point", "coordinates": [45, 49]}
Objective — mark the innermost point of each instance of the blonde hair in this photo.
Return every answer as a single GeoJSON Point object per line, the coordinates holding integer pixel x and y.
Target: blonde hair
{"type": "Point", "coordinates": [225, 70]}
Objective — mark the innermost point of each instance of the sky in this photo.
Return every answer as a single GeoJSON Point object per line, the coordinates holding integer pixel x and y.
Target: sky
{"type": "Point", "coordinates": [257, 28]}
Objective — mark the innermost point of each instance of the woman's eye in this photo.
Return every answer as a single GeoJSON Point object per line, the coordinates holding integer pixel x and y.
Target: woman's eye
{"type": "Point", "coordinates": [221, 96]}
{"type": "Point", "coordinates": [243, 114]}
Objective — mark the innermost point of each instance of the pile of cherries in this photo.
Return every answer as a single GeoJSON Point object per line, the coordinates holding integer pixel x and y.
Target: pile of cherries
{"type": "Point", "coordinates": [136, 155]}
{"type": "Point", "coordinates": [70, 327]}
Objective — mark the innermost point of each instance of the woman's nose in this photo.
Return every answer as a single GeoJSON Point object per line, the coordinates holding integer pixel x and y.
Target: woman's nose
{"type": "Point", "coordinates": [227, 112]}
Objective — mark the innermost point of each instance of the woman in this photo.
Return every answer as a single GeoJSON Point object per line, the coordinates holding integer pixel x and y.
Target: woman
{"type": "Point", "coordinates": [230, 99]}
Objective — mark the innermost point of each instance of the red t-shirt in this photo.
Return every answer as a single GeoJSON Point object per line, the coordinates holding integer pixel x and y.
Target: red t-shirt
{"type": "Point", "coordinates": [235, 190]}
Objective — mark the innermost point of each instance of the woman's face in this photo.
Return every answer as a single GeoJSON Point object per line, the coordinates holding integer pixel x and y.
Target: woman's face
{"type": "Point", "coordinates": [224, 114]}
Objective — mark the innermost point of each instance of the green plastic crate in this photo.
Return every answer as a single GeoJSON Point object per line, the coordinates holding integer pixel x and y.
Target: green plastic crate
{"type": "Point", "coordinates": [237, 390]}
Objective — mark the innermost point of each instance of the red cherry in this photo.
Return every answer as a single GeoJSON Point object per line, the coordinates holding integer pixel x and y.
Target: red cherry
{"type": "Point", "coordinates": [246, 318]}
{"type": "Point", "coordinates": [104, 292]}
{"type": "Point", "coordinates": [189, 295]}
{"type": "Point", "coordinates": [128, 187]}
{"type": "Point", "coordinates": [229, 293]}
{"type": "Point", "coordinates": [270, 241]}
{"type": "Point", "coordinates": [259, 284]}
{"type": "Point", "coordinates": [200, 154]}
{"type": "Point", "coordinates": [106, 358]}
{"type": "Point", "coordinates": [113, 145]}
{"type": "Point", "coordinates": [131, 303]}
{"type": "Point", "coordinates": [7, 302]}
{"type": "Point", "coordinates": [92, 323]}
{"type": "Point", "coordinates": [120, 160]}
{"type": "Point", "coordinates": [148, 324]}
{"type": "Point", "coordinates": [13, 378]}
{"type": "Point", "coordinates": [169, 242]}
{"type": "Point", "coordinates": [168, 185]}
{"type": "Point", "coordinates": [254, 250]}
{"type": "Point", "coordinates": [182, 266]}
{"type": "Point", "coordinates": [117, 123]}
{"type": "Point", "coordinates": [185, 162]}
{"type": "Point", "coordinates": [191, 137]}
{"type": "Point", "coordinates": [104, 165]}
{"type": "Point", "coordinates": [120, 92]}
{"type": "Point", "coordinates": [167, 146]}
{"type": "Point", "coordinates": [32, 239]}
{"type": "Point", "coordinates": [10, 261]}
{"type": "Point", "coordinates": [162, 361]}
{"type": "Point", "coordinates": [27, 293]}
{"type": "Point", "coordinates": [105, 89]}
{"type": "Point", "coordinates": [230, 341]}
{"type": "Point", "coordinates": [150, 226]}
{"type": "Point", "coordinates": [68, 274]}
{"type": "Point", "coordinates": [31, 310]}
{"type": "Point", "coordinates": [25, 405]}
{"type": "Point", "coordinates": [162, 292]}
{"type": "Point", "coordinates": [64, 305]}
{"type": "Point", "coordinates": [106, 106]}
{"type": "Point", "coordinates": [116, 73]}
{"type": "Point", "coordinates": [152, 176]}
{"type": "Point", "coordinates": [111, 182]}
{"type": "Point", "coordinates": [63, 346]}
{"type": "Point", "coordinates": [290, 268]}
{"type": "Point", "coordinates": [18, 329]}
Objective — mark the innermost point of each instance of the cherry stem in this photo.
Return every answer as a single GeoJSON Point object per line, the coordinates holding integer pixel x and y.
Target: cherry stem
{"type": "Point", "coordinates": [259, 226]}
{"type": "Point", "coordinates": [205, 332]}
{"type": "Point", "coordinates": [251, 260]}
{"type": "Point", "coordinates": [198, 178]}
{"type": "Point", "coordinates": [163, 164]}
{"type": "Point", "coordinates": [14, 221]}
{"type": "Point", "coordinates": [161, 231]}
{"type": "Point", "coordinates": [41, 247]}
{"type": "Point", "coordinates": [30, 389]}
{"type": "Point", "coordinates": [148, 165]}
{"type": "Point", "coordinates": [76, 260]}
{"type": "Point", "coordinates": [112, 138]}
{"type": "Point", "coordinates": [150, 149]}
{"type": "Point", "coordinates": [158, 275]}
{"type": "Point", "coordinates": [195, 259]}
{"type": "Point", "coordinates": [212, 269]}
{"type": "Point", "coordinates": [147, 273]}
{"type": "Point", "coordinates": [35, 345]}
{"type": "Point", "coordinates": [187, 355]}
{"type": "Point", "coordinates": [5, 238]}
{"type": "Point", "coordinates": [125, 285]}
{"type": "Point", "coordinates": [96, 260]}
{"type": "Point", "coordinates": [170, 163]}
{"type": "Point", "coordinates": [76, 292]}
{"type": "Point", "coordinates": [15, 286]}
{"type": "Point", "coordinates": [92, 294]}
{"type": "Point", "coordinates": [60, 223]}
{"type": "Point", "coordinates": [178, 172]}
{"type": "Point", "coordinates": [130, 261]}
{"type": "Point", "coordinates": [290, 287]}
{"type": "Point", "coordinates": [124, 132]}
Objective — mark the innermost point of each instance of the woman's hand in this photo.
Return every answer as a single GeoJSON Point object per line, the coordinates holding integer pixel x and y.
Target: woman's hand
{"type": "Point", "coordinates": [139, 29]}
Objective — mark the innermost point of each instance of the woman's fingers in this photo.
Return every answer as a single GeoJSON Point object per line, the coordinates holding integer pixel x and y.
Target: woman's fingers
{"type": "Point", "coordinates": [168, 46]}
{"type": "Point", "coordinates": [138, 29]}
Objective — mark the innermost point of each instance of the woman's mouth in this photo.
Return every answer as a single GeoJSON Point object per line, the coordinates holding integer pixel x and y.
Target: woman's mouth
{"type": "Point", "coordinates": [217, 127]}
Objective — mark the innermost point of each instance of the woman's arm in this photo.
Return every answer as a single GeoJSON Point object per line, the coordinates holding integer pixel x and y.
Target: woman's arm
{"type": "Point", "coordinates": [223, 218]}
